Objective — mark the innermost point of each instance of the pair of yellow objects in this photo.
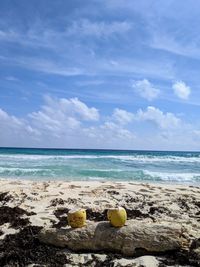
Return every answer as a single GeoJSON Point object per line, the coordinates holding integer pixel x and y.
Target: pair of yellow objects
{"type": "Point", "coordinates": [116, 216]}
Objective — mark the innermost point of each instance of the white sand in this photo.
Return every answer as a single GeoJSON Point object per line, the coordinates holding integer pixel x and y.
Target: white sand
{"type": "Point", "coordinates": [174, 203]}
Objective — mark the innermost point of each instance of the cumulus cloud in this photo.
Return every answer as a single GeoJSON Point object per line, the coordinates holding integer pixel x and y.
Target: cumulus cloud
{"type": "Point", "coordinates": [62, 116]}
{"type": "Point", "coordinates": [58, 119]}
{"type": "Point", "coordinates": [116, 131]}
{"type": "Point", "coordinates": [146, 90]}
{"type": "Point", "coordinates": [181, 90]}
{"type": "Point", "coordinates": [13, 123]}
{"type": "Point", "coordinates": [163, 120]}
{"type": "Point", "coordinates": [63, 107]}
{"type": "Point", "coordinates": [62, 122]}
{"type": "Point", "coordinates": [15, 130]}
{"type": "Point", "coordinates": [122, 116]}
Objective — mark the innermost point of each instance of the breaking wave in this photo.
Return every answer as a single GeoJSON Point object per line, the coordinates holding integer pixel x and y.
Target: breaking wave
{"type": "Point", "coordinates": [183, 167]}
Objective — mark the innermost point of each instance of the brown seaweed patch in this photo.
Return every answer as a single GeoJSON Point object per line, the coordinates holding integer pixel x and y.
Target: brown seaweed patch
{"type": "Point", "coordinates": [24, 248]}
{"type": "Point", "coordinates": [57, 201]}
{"type": "Point", "coordinates": [5, 197]}
{"type": "Point", "coordinates": [96, 216]}
{"type": "Point", "coordinates": [61, 215]}
{"type": "Point", "coordinates": [13, 216]}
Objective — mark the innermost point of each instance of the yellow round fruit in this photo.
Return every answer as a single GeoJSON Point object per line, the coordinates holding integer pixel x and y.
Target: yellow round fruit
{"type": "Point", "coordinates": [77, 218]}
{"type": "Point", "coordinates": [117, 216]}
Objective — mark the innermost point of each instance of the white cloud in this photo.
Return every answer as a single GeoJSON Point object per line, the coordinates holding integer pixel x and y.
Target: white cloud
{"type": "Point", "coordinates": [6, 119]}
{"type": "Point", "coordinates": [63, 123]}
{"type": "Point", "coordinates": [115, 131]}
{"type": "Point", "coordinates": [15, 131]}
{"type": "Point", "coordinates": [181, 90]}
{"type": "Point", "coordinates": [82, 109]}
{"type": "Point", "coordinates": [146, 89]}
{"type": "Point", "coordinates": [163, 120]}
{"type": "Point", "coordinates": [39, 64]}
{"type": "Point", "coordinates": [63, 120]}
{"type": "Point", "coordinates": [47, 66]}
{"type": "Point", "coordinates": [12, 122]}
{"type": "Point", "coordinates": [39, 35]}
{"type": "Point", "coordinates": [80, 59]}
{"type": "Point", "coordinates": [122, 116]}
{"type": "Point", "coordinates": [62, 115]}
{"type": "Point", "coordinates": [57, 123]}
{"type": "Point", "coordinates": [98, 29]}
{"type": "Point", "coordinates": [172, 44]}
{"type": "Point", "coordinates": [71, 123]}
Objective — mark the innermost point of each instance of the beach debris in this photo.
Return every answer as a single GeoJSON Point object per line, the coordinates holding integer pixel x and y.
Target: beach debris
{"type": "Point", "coordinates": [77, 218]}
{"type": "Point", "coordinates": [156, 210]}
{"type": "Point", "coordinates": [117, 216]}
{"type": "Point", "coordinates": [136, 213]}
{"type": "Point", "coordinates": [5, 197]}
{"type": "Point", "coordinates": [13, 216]}
{"type": "Point", "coordinates": [101, 215]}
{"type": "Point", "coordinates": [61, 215]}
{"type": "Point", "coordinates": [61, 211]}
{"type": "Point", "coordinates": [62, 222]}
{"type": "Point", "coordinates": [132, 239]}
{"type": "Point", "coordinates": [57, 201]}
{"type": "Point", "coordinates": [96, 216]}
{"type": "Point", "coordinates": [24, 248]}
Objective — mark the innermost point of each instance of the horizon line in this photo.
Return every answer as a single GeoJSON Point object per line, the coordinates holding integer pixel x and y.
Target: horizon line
{"type": "Point", "coordinates": [101, 149]}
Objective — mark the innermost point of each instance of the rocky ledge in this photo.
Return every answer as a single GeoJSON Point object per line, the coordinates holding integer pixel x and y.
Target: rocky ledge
{"type": "Point", "coordinates": [133, 240]}
{"type": "Point", "coordinates": [128, 240]}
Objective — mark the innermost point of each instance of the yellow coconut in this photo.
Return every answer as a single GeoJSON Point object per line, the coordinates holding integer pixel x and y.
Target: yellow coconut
{"type": "Point", "coordinates": [77, 218]}
{"type": "Point", "coordinates": [117, 216]}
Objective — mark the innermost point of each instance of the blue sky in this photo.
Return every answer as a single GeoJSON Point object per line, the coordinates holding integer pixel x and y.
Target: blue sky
{"type": "Point", "coordinates": [100, 74]}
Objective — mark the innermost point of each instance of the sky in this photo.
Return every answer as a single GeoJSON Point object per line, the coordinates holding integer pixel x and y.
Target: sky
{"type": "Point", "coordinates": [114, 74]}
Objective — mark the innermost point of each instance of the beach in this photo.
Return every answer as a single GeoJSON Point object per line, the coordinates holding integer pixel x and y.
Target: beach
{"type": "Point", "coordinates": [29, 206]}
{"type": "Point", "coordinates": [99, 133]}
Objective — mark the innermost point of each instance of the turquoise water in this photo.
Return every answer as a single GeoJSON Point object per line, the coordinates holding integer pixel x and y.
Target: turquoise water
{"type": "Point", "coordinates": [108, 165]}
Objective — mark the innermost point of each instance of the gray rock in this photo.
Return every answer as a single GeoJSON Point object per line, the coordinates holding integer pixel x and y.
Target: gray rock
{"type": "Point", "coordinates": [85, 259]}
{"type": "Point", "coordinates": [100, 259]}
{"type": "Point", "coordinates": [151, 237]}
{"type": "Point", "coordinates": [145, 261]}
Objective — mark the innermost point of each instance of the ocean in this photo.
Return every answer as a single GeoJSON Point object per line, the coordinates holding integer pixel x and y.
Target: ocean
{"type": "Point", "coordinates": [107, 165]}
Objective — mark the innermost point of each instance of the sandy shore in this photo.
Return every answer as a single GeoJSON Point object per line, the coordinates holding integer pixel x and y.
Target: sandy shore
{"type": "Point", "coordinates": [45, 204]}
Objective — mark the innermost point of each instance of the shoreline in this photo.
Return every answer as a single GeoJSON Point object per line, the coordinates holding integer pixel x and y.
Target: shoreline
{"type": "Point", "coordinates": [97, 180]}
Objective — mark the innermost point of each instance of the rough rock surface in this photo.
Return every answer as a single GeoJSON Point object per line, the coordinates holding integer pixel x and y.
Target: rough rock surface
{"type": "Point", "coordinates": [132, 239]}
{"type": "Point", "coordinates": [145, 261]}
{"type": "Point", "coordinates": [94, 260]}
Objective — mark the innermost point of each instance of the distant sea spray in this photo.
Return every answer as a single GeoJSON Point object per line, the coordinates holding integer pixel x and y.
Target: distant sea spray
{"type": "Point", "coordinates": [108, 165]}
